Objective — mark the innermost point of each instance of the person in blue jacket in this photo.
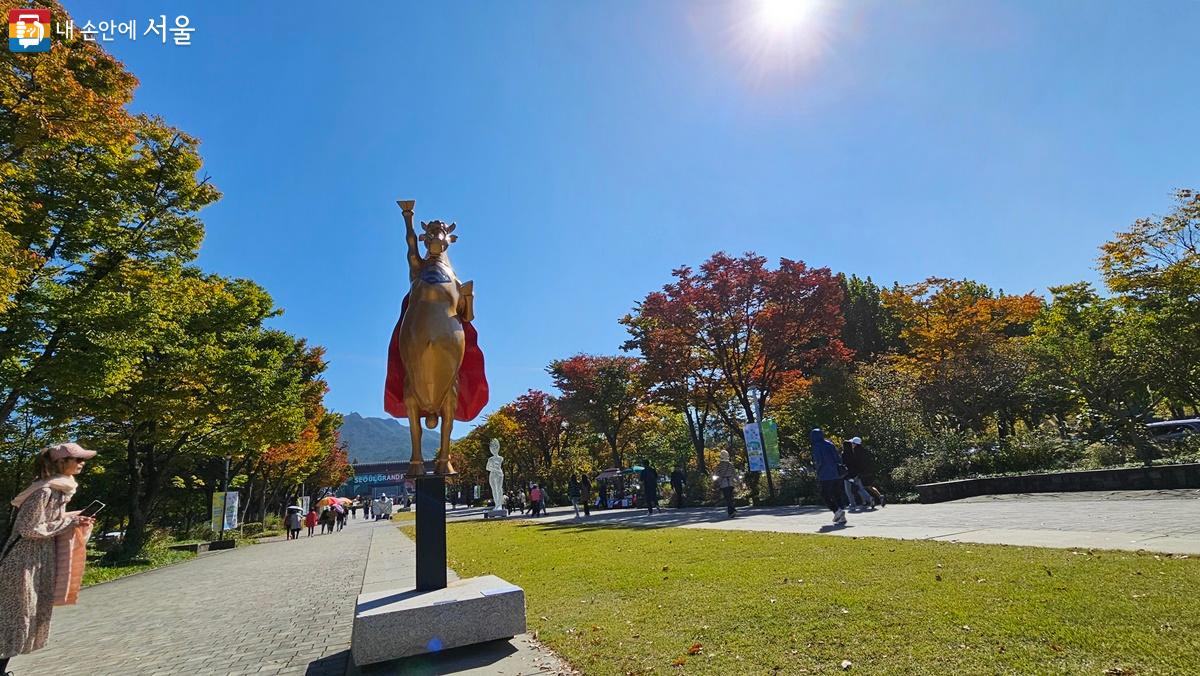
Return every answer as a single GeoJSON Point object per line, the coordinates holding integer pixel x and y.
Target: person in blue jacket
{"type": "Point", "coordinates": [829, 473]}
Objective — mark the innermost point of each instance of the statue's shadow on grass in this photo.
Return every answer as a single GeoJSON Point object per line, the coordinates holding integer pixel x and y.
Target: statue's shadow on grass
{"type": "Point", "coordinates": [671, 518]}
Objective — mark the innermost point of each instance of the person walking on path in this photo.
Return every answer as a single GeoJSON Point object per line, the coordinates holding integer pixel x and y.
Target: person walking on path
{"type": "Point", "coordinates": [327, 521]}
{"type": "Point", "coordinates": [292, 521]}
{"type": "Point", "coordinates": [650, 486]}
{"type": "Point", "coordinates": [724, 477]}
{"type": "Point", "coordinates": [41, 563]}
{"type": "Point", "coordinates": [573, 493]}
{"type": "Point", "coordinates": [311, 519]}
{"type": "Point", "coordinates": [535, 499]}
{"type": "Point", "coordinates": [603, 494]}
{"type": "Point", "coordinates": [354, 510]}
{"type": "Point", "coordinates": [340, 516]}
{"type": "Point", "coordinates": [678, 481]}
{"type": "Point", "coordinates": [855, 493]}
{"type": "Point", "coordinates": [865, 471]}
{"type": "Point", "coordinates": [830, 472]}
{"type": "Point", "coordinates": [585, 494]}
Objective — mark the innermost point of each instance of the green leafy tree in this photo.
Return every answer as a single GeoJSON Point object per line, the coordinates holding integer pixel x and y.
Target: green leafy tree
{"type": "Point", "coordinates": [1089, 347]}
{"type": "Point", "coordinates": [1154, 266]}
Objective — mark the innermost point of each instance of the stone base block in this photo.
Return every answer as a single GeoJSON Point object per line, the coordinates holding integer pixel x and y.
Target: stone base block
{"type": "Point", "coordinates": [399, 623]}
{"type": "Point", "coordinates": [495, 514]}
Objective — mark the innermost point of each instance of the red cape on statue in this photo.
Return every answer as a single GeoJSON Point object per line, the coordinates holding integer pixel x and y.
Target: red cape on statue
{"type": "Point", "coordinates": [472, 383]}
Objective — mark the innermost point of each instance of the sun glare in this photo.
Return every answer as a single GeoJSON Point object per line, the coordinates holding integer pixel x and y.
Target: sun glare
{"type": "Point", "coordinates": [776, 37]}
{"type": "Point", "coordinates": [783, 17]}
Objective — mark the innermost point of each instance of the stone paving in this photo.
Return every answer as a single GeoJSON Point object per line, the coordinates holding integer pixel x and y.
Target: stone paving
{"type": "Point", "coordinates": [1159, 521]}
{"type": "Point", "coordinates": [274, 608]}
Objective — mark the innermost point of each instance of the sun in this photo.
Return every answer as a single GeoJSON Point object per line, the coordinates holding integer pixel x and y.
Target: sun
{"type": "Point", "coordinates": [783, 18]}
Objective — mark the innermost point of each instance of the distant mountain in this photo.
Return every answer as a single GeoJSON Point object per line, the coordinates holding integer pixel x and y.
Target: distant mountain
{"type": "Point", "coordinates": [383, 440]}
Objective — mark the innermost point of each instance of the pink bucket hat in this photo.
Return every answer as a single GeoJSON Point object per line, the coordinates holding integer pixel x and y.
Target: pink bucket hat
{"type": "Point", "coordinates": [70, 450]}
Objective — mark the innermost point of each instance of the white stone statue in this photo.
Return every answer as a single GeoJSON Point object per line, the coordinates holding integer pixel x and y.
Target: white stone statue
{"type": "Point", "coordinates": [496, 474]}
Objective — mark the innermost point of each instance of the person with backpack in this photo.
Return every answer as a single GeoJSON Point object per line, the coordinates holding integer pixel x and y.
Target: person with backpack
{"type": "Point", "coordinates": [830, 473]}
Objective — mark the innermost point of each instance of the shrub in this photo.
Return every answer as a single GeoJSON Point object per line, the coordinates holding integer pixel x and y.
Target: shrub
{"type": "Point", "coordinates": [797, 484]}
{"type": "Point", "coordinates": [1101, 454]}
{"type": "Point", "coordinates": [946, 455]}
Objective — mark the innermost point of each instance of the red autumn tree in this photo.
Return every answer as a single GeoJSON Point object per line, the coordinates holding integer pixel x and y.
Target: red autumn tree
{"type": "Point", "coordinates": [741, 326]}
{"type": "Point", "coordinates": [540, 420]}
{"type": "Point", "coordinates": [606, 391]}
{"type": "Point", "coordinates": [678, 375]}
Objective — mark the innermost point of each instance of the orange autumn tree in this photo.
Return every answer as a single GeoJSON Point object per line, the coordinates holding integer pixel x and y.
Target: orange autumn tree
{"type": "Point", "coordinates": [315, 458]}
{"type": "Point", "coordinates": [962, 345]}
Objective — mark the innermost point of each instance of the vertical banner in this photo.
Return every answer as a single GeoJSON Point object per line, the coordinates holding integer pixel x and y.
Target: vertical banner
{"type": "Point", "coordinates": [770, 434]}
{"type": "Point", "coordinates": [304, 500]}
{"type": "Point", "coordinates": [218, 510]}
{"type": "Point", "coordinates": [231, 510]}
{"type": "Point", "coordinates": [224, 510]}
{"type": "Point", "coordinates": [477, 492]}
{"type": "Point", "coordinates": [754, 447]}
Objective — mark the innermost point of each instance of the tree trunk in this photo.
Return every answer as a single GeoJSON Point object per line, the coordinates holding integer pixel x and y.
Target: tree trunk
{"type": "Point", "coordinates": [696, 432]}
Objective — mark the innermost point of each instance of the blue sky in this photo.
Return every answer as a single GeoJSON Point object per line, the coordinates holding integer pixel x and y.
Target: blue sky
{"type": "Point", "coordinates": [586, 149]}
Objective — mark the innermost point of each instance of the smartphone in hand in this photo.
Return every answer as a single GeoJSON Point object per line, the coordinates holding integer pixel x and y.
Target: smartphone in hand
{"type": "Point", "coordinates": [93, 509]}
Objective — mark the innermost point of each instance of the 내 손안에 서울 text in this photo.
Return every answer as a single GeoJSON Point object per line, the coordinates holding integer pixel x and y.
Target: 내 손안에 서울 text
{"type": "Point", "coordinates": [109, 30]}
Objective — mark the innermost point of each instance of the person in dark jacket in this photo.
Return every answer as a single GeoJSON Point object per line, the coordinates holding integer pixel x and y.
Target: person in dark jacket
{"type": "Point", "coordinates": [855, 492]}
{"type": "Point", "coordinates": [650, 486]}
{"type": "Point", "coordinates": [863, 471]}
{"type": "Point", "coordinates": [725, 475]}
{"type": "Point", "coordinates": [829, 472]}
{"type": "Point", "coordinates": [678, 481]}
{"type": "Point", "coordinates": [573, 493]}
{"type": "Point", "coordinates": [585, 494]}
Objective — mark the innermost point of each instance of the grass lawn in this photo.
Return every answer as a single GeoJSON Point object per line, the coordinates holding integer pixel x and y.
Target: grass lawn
{"type": "Point", "coordinates": [96, 572]}
{"type": "Point", "coordinates": [631, 600]}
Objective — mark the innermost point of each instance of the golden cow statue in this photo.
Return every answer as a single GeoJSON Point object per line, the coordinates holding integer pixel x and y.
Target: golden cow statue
{"type": "Point", "coordinates": [435, 366]}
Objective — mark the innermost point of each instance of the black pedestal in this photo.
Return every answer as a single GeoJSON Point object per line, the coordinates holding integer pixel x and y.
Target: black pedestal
{"type": "Point", "coordinates": [431, 532]}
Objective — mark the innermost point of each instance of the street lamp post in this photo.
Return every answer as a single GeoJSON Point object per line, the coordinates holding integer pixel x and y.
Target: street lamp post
{"type": "Point", "coordinates": [224, 498]}
{"type": "Point", "coordinates": [753, 392]}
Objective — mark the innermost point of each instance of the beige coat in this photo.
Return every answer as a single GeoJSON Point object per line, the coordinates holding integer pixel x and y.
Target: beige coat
{"type": "Point", "coordinates": [27, 573]}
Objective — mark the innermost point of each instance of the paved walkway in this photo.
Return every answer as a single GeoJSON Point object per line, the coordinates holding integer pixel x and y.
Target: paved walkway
{"type": "Point", "coordinates": [272, 608]}
{"type": "Point", "coordinates": [1158, 521]}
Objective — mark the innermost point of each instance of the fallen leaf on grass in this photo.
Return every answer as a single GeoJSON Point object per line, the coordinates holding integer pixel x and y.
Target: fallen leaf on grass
{"type": "Point", "coordinates": [938, 578]}
{"type": "Point", "coordinates": [846, 664]}
{"type": "Point", "coordinates": [695, 649]}
{"type": "Point", "coordinates": [679, 662]}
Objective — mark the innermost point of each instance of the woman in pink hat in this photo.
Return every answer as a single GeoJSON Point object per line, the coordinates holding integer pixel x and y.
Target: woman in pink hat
{"type": "Point", "coordinates": [42, 561]}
